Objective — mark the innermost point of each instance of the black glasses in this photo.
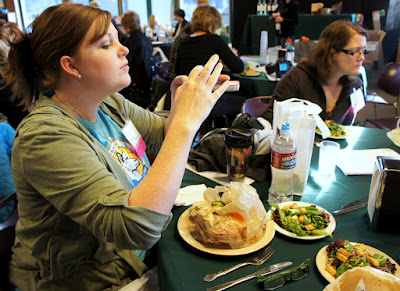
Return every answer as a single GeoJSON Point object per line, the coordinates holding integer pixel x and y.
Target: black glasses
{"type": "Point", "coordinates": [357, 51]}
{"type": "Point", "coordinates": [276, 281]}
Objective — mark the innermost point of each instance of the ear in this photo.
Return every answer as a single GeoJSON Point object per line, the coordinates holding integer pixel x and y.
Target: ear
{"type": "Point", "coordinates": [67, 65]}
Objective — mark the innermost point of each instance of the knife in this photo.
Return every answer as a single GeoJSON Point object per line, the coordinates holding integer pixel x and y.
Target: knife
{"type": "Point", "coordinates": [348, 209]}
{"type": "Point", "coordinates": [354, 202]}
{"type": "Point", "coordinates": [265, 271]}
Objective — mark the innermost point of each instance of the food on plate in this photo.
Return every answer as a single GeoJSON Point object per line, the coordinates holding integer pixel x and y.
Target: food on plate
{"type": "Point", "coordinates": [337, 130]}
{"type": "Point", "coordinates": [343, 256]}
{"type": "Point", "coordinates": [231, 215]}
{"type": "Point", "coordinates": [367, 278]}
{"type": "Point", "coordinates": [251, 73]}
{"type": "Point", "coordinates": [301, 220]}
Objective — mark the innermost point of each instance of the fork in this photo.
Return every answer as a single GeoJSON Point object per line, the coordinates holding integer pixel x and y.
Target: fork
{"type": "Point", "coordinates": [258, 260]}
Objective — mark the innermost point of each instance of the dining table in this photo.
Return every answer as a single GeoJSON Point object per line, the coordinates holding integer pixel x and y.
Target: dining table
{"type": "Point", "coordinates": [261, 84]}
{"type": "Point", "coordinates": [309, 25]}
{"type": "Point", "coordinates": [182, 266]}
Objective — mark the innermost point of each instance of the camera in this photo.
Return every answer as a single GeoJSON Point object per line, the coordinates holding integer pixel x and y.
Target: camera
{"type": "Point", "coordinates": [281, 67]}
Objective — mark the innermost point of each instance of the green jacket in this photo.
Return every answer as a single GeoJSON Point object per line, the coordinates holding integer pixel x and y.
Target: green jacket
{"type": "Point", "coordinates": [75, 227]}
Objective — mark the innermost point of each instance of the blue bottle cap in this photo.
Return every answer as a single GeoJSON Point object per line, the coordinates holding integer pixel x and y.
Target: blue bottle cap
{"type": "Point", "coordinates": [285, 126]}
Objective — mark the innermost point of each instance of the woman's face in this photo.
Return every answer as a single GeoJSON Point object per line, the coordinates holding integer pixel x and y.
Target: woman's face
{"type": "Point", "coordinates": [103, 64]}
{"type": "Point", "coordinates": [347, 64]}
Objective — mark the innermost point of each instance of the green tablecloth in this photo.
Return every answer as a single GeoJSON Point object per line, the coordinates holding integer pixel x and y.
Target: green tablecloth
{"type": "Point", "coordinates": [309, 25]}
{"type": "Point", "coordinates": [181, 267]}
{"type": "Point", "coordinates": [254, 86]}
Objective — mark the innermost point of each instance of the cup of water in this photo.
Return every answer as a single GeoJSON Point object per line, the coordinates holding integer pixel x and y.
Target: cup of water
{"type": "Point", "coordinates": [328, 155]}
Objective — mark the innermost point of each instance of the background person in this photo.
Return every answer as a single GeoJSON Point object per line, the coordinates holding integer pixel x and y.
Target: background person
{"type": "Point", "coordinates": [180, 17]}
{"type": "Point", "coordinates": [82, 214]}
{"type": "Point", "coordinates": [288, 16]}
{"type": "Point", "coordinates": [197, 49]}
{"type": "Point", "coordinates": [327, 76]}
{"type": "Point", "coordinates": [139, 60]}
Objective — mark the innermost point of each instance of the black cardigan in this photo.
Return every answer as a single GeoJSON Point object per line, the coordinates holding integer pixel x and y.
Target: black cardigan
{"type": "Point", "coordinates": [301, 82]}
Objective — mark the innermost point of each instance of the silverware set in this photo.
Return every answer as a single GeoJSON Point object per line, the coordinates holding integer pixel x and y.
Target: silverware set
{"type": "Point", "coordinates": [258, 260]}
{"type": "Point", "coordinates": [352, 206]}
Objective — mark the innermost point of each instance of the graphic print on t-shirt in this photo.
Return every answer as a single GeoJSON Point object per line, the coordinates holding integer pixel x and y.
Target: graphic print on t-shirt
{"type": "Point", "coordinates": [134, 166]}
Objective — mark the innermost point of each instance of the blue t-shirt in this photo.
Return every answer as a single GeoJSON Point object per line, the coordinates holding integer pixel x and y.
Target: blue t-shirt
{"type": "Point", "coordinates": [6, 178]}
{"type": "Point", "coordinates": [110, 135]}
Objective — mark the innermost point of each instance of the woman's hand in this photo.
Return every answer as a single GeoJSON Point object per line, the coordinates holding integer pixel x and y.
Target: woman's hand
{"type": "Point", "coordinates": [191, 96]}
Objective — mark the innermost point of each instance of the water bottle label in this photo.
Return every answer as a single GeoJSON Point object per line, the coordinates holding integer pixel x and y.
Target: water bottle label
{"type": "Point", "coordinates": [283, 161]}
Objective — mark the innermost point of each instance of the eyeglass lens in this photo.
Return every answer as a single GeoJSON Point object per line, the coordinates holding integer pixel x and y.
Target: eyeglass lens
{"type": "Point", "coordinates": [358, 52]}
{"type": "Point", "coordinates": [295, 275]}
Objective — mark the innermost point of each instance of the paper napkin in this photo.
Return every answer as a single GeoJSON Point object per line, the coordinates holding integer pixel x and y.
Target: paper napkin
{"type": "Point", "coordinates": [361, 162]}
{"type": "Point", "coordinates": [190, 194]}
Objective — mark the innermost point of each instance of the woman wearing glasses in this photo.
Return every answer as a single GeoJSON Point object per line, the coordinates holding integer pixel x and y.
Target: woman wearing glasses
{"type": "Point", "coordinates": [327, 76]}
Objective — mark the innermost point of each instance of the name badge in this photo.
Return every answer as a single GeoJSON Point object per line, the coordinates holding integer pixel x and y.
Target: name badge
{"type": "Point", "coordinates": [134, 137]}
{"type": "Point", "coordinates": [357, 100]}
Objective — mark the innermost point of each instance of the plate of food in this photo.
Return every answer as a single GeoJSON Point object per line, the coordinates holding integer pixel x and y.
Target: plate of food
{"type": "Point", "coordinates": [341, 255]}
{"type": "Point", "coordinates": [230, 221]}
{"type": "Point", "coordinates": [250, 73]}
{"type": "Point", "coordinates": [338, 131]}
{"type": "Point", "coordinates": [302, 220]}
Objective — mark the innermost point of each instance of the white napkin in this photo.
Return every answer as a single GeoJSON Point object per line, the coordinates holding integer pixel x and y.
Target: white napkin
{"type": "Point", "coordinates": [394, 134]}
{"type": "Point", "coordinates": [263, 138]}
{"type": "Point", "coordinates": [190, 194]}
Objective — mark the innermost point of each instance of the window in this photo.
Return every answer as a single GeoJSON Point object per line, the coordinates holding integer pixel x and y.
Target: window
{"type": "Point", "coordinates": [109, 5]}
{"type": "Point", "coordinates": [139, 6]}
{"type": "Point", "coordinates": [222, 5]}
{"type": "Point", "coordinates": [31, 9]}
{"type": "Point", "coordinates": [162, 11]}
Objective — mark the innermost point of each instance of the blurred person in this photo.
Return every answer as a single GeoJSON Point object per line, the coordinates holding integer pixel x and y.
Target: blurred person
{"type": "Point", "coordinates": [287, 16]}
{"type": "Point", "coordinates": [89, 204]}
{"type": "Point", "coordinates": [153, 29]}
{"type": "Point", "coordinates": [180, 17]}
{"type": "Point", "coordinates": [139, 60]}
{"type": "Point", "coordinates": [197, 48]}
{"type": "Point", "coordinates": [202, 2]}
{"type": "Point", "coordinates": [185, 32]}
{"type": "Point", "coordinates": [13, 112]}
{"type": "Point", "coordinates": [327, 77]}
{"type": "Point", "coordinates": [6, 179]}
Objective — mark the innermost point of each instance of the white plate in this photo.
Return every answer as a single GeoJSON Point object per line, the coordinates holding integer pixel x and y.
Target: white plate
{"type": "Point", "coordinates": [187, 227]}
{"type": "Point", "coordinates": [322, 259]}
{"type": "Point", "coordinates": [318, 131]}
{"type": "Point", "coordinates": [329, 229]}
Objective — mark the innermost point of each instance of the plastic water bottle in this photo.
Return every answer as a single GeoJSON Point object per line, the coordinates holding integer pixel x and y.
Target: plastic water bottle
{"type": "Point", "coordinates": [289, 50]}
{"type": "Point", "coordinates": [283, 162]}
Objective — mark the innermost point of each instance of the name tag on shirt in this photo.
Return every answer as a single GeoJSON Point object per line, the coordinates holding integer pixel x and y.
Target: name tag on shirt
{"type": "Point", "coordinates": [357, 100]}
{"type": "Point", "coordinates": [134, 137]}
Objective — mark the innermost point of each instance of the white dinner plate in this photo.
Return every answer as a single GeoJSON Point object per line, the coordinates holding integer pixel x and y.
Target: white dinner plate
{"type": "Point", "coordinates": [329, 229]}
{"type": "Point", "coordinates": [187, 228]}
{"type": "Point", "coordinates": [251, 75]}
{"type": "Point", "coordinates": [322, 259]}
{"type": "Point", "coordinates": [318, 131]}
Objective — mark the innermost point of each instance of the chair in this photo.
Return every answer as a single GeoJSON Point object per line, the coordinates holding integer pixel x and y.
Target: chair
{"type": "Point", "coordinates": [7, 236]}
{"type": "Point", "coordinates": [256, 106]}
{"type": "Point", "coordinates": [389, 82]}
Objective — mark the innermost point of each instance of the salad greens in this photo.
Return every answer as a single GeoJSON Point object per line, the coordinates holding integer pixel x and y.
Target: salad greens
{"type": "Point", "coordinates": [337, 130]}
{"type": "Point", "coordinates": [301, 220]}
{"type": "Point", "coordinates": [343, 256]}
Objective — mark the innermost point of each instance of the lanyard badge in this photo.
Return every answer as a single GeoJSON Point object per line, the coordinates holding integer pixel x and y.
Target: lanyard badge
{"type": "Point", "coordinates": [134, 137]}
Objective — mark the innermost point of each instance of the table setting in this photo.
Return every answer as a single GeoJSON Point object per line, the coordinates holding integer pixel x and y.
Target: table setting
{"type": "Point", "coordinates": [185, 260]}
